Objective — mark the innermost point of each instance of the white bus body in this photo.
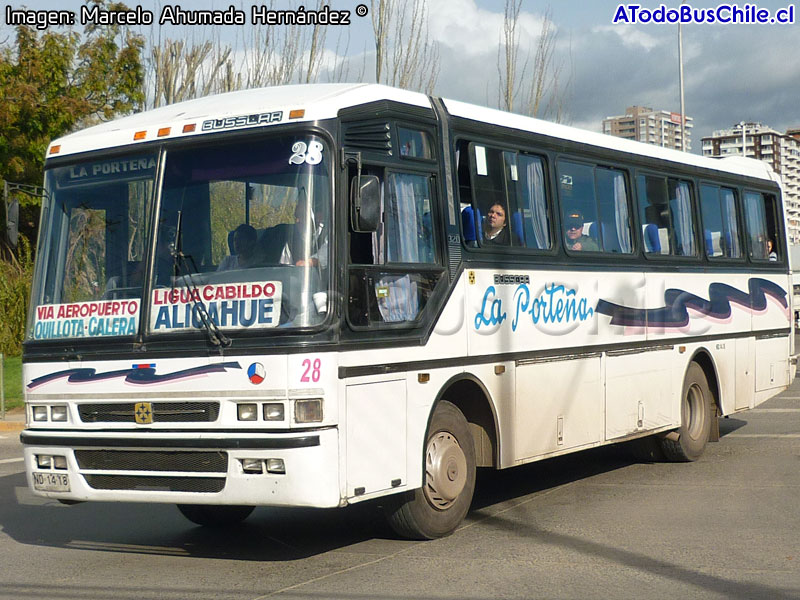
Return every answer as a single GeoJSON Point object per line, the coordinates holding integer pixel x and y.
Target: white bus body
{"type": "Point", "coordinates": [312, 386]}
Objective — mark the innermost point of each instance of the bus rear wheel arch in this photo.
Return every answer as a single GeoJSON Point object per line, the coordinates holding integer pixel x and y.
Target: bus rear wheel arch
{"type": "Point", "coordinates": [438, 507]}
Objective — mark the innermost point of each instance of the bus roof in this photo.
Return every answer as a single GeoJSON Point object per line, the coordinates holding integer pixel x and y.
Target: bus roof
{"type": "Point", "coordinates": [282, 104]}
{"type": "Point", "coordinates": [736, 165]}
{"type": "Point", "coordinates": [317, 101]}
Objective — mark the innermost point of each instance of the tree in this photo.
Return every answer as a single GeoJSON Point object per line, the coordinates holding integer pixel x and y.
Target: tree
{"type": "Point", "coordinates": [540, 76]}
{"type": "Point", "coordinates": [183, 71]}
{"type": "Point", "coordinates": [404, 55]}
{"type": "Point", "coordinates": [52, 83]}
{"type": "Point", "coordinates": [507, 56]}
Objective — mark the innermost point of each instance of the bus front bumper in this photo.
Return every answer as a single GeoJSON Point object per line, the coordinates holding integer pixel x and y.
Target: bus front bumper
{"type": "Point", "coordinates": [258, 469]}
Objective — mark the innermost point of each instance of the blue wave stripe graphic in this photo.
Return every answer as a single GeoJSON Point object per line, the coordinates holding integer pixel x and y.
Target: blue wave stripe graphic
{"type": "Point", "coordinates": [675, 311]}
{"type": "Point", "coordinates": [136, 376]}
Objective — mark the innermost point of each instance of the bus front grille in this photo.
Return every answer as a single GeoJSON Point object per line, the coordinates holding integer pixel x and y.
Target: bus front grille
{"type": "Point", "coordinates": [152, 460]}
{"type": "Point", "coordinates": [163, 412]}
{"type": "Point", "coordinates": [161, 484]}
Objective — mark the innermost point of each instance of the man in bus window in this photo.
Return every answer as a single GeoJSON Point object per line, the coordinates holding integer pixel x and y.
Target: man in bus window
{"type": "Point", "coordinates": [573, 235]}
{"type": "Point", "coordinates": [495, 230]}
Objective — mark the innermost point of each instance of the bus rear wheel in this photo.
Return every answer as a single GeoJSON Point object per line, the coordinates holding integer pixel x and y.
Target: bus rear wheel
{"type": "Point", "coordinates": [214, 515]}
{"type": "Point", "coordinates": [695, 429]}
{"type": "Point", "coordinates": [439, 506]}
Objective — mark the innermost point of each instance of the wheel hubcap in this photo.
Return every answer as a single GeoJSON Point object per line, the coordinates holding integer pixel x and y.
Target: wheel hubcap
{"type": "Point", "coordinates": [445, 470]}
{"type": "Point", "coordinates": [695, 419]}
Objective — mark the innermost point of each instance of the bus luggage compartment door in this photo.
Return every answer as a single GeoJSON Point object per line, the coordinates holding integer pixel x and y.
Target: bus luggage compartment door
{"type": "Point", "coordinates": [559, 405]}
{"type": "Point", "coordinates": [772, 363]}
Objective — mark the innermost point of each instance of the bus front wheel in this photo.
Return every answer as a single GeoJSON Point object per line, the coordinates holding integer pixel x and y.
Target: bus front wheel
{"type": "Point", "coordinates": [439, 506]}
{"type": "Point", "coordinates": [695, 429]}
{"type": "Point", "coordinates": [215, 515]}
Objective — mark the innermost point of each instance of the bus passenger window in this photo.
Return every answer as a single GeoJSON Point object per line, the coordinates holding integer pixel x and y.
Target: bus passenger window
{"type": "Point", "coordinates": [666, 213]}
{"type": "Point", "coordinates": [529, 213]}
{"type": "Point", "coordinates": [613, 213]}
{"type": "Point", "coordinates": [761, 226]}
{"type": "Point", "coordinates": [491, 201]}
{"type": "Point", "coordinates": [508, 198]}
{"type": "Point", "coordinates": [595, 208]}
{"type": "Point", "coordinates": [576, 191]}
{"type": "Point", "coordinates": [720, 222]}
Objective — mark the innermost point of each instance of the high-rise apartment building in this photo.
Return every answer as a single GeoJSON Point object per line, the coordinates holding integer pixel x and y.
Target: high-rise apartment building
{"type": "Point", "coordinates": [780, 150]}
{"type": "Point", "coordinates": [657, 127]}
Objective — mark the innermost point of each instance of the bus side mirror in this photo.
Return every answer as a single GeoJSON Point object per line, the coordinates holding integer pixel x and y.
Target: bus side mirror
{"type": "Point", "coordinates": [365, 203]}
{"type": "Point", "coordinates": [12, 223]}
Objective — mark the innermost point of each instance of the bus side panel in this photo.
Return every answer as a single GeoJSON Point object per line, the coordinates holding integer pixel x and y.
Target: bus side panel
{"type": "Point", "coordinates": [745, 375]}
{"type": "Point", "coordinates": [772, 364]}
{"type": "Point", "coordinates": [376, 436]}
{"type": "Point", "coordinates": [559, 405]}
{"type": "Point", "coordinates": [639, 392]}
{"type": "Point", "coordinates": [772, 350]}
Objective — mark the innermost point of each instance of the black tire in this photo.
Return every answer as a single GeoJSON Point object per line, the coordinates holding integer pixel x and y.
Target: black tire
{"type": "Point", "coordinates": [695, 429]}
{"type": "Point", "coordinates": [213, 515]}
{"type": "Point", "coordinates": [438, 507]}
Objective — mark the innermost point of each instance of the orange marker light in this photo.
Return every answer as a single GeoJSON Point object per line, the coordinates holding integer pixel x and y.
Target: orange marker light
{"type": "Point", "coordinates": [55, 149]}
{"type": "Point", "coordinates": [164, 131]}
{"type": "Point", "coordinates": [297, 114]}
{"type": "Point", "coordinates": [139, 135]}
{"type": "Point", "coordinates": [189, 128]}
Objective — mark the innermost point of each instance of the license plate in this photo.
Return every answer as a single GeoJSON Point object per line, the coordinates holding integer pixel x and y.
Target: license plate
{"type": "Point", "coordinates": [50, 482]}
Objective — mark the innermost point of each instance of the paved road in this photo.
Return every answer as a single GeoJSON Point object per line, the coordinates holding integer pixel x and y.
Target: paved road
{"type": "Point", "coordinates": [593, 525]}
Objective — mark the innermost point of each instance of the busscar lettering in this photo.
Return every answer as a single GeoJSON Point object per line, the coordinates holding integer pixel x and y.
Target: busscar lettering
{"type": "Point", "coordinates": [242, 121]}
{"type": "Point", "coordinates": [500, 279]}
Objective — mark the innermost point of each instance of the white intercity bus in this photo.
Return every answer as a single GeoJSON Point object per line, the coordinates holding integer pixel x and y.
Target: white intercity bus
{"type": "Point", "coordinates": [319, 295]}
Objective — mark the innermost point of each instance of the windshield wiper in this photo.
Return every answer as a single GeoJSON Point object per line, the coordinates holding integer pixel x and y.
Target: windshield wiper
{"type": "Point", "coordinates": [180, 266]}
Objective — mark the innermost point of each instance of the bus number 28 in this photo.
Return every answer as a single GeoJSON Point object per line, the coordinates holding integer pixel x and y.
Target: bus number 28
{"type": "Point", "coordinates": [311, 372]}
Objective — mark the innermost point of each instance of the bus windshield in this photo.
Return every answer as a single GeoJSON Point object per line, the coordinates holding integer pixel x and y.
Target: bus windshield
{"type": "Point", "coordinates": [240, 239]}
{"type": "Point", "coordinates": [93, 236]}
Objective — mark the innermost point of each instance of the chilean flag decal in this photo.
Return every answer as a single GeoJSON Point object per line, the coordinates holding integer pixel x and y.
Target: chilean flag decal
{"type": "Point", "coordinates": [256, 373]}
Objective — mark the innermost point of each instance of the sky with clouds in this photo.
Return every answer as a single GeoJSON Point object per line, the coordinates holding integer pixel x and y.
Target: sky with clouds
{"type": "Point", "coordinates": [732, 72]}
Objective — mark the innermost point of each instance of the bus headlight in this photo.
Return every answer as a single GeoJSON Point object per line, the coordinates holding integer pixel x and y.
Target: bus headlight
{"type": "Point", "coordinates": [273, 411]}
{"type": "Point", "coordinates": [252, 466]}
{"type": "Point", "coordinates": [276, 466]}
{"type": "Point", "coordinates": [308, 411]}
{"type": "Point", "coordinates": [247, 412]}
{"type": "Point", "coordinates": [39, 413]}
{"type": "Point", "coordinates": [58, 413]}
